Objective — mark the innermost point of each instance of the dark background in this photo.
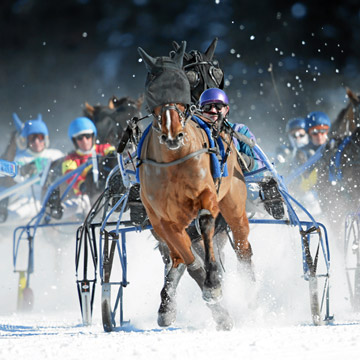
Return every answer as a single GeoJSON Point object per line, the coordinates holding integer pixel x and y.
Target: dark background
{"type": "Point", "coordinates": [55, 55]}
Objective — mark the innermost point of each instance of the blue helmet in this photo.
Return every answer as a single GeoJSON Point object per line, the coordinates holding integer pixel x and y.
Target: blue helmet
{"type": "Point", "coordinates": [36, 126]}
{"type": "Point", "coordinates": [81, 125]}
{"type": "Point", "coordinates": [213, 95]}
{"type": "Point", "coordinates": [317, 118]}
{"type": "Point", "coordinates": [295, 123]}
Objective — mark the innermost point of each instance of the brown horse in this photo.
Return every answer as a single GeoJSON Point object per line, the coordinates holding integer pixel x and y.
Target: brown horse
{"type": "Point", "coordinates": [348, 120]}
{"type": "Point", "coordinates": [177, 185]}
{"type": "Point", "coordinates": [338, 184]}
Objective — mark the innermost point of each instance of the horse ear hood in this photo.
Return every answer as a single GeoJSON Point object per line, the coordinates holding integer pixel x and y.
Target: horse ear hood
{"type": "Point", "coordinates": [166, 81]}
{"type": "Point", "coordinates": [18, 123]}
{"type": "Point", "coordinates": [149, 61]}
{"type": "Point", "coordinates": [179, 54]}
{"type": "Point", "coordinates": [211, 49]}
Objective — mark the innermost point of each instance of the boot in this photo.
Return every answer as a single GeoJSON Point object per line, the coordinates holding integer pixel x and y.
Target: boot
{"type": "Point", "coordinates": [138, 214]}
{"type": "Point", "coordinates": [272, 199]}
{"type": "Point", "coordinates": [54, 205]}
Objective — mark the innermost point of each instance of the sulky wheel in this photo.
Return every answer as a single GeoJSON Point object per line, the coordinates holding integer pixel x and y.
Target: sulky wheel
{"type": "Point", "coordinates": [106, 313]}
{"type": "Point", "coordinates": [108, 309]}
{"type": "Point", "coordinates": [352, 259]}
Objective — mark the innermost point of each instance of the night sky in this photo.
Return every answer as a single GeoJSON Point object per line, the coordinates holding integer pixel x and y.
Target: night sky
{"type": "Point", "coordinates": [57, 55]}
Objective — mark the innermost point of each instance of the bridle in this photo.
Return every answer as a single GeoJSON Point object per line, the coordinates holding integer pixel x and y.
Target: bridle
{"type": "Point", "coordinates": [216, 74]}
{"type": "Point", "coordinates": [183, 115]}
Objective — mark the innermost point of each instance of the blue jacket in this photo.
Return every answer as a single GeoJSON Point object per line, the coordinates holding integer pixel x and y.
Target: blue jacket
{"type": "Point", "coordinates": [244, 148]}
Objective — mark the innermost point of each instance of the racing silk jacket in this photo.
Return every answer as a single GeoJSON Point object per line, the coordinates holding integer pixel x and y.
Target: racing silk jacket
{"type": "Point", "coordinates": [308, 150]}
{"type": "Point", "coordinates": [309, 178]}
{"type": "Point", "coordinates": [32, 163]}
{"type": "Point", "coordinates": [77, 158]}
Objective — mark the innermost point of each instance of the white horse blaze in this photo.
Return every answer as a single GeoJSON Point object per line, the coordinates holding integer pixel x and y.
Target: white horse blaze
{"type": "Point", "coordinates": [168, 124]}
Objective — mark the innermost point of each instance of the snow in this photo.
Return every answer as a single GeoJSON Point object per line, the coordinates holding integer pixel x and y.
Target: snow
{"type": "Point", "coordinates": [272, 319]}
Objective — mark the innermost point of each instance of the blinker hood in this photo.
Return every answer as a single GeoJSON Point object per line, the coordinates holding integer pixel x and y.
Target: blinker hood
{"type": "Point", "coordinates": [166, 82]}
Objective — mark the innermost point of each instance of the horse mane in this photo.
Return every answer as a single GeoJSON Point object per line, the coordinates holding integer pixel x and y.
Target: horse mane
{"type": "Point", "coordinates": [115, 102]}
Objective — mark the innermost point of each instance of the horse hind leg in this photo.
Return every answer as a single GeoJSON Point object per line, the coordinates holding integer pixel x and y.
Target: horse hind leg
{"type": "Point", "coordinates": [240, 228]}
{"type": "Point", "coordinates": [221, 317]}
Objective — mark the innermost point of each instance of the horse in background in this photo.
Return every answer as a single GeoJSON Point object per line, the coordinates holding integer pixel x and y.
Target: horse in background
{"type": "Point", "coordinates": [177, 186]}
{"type": "Point", "coordinates": [348, 120]}
{"type": "Point", "coordinates": [202, 70]}
{"type": "Point", "coordinates": [338, 184]}
{"type": "Point", "coordinates": [111, 119]}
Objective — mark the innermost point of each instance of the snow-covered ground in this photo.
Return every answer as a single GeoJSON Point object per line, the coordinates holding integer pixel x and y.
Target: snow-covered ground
{"type": "Point", "coordinates": [272, 319]}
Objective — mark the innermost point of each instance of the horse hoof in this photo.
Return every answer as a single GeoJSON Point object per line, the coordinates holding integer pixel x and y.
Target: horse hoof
{"type": "Point", "coordinates": [212, 295]}
{"type": "Point", "coordinates": [246, 267]}
{"type": "Point", "coordinates": [226, 324]}
{"type": "Point", "coordinates": [222, 318]}
{"type": "Point", "coordinates": [165, 319]}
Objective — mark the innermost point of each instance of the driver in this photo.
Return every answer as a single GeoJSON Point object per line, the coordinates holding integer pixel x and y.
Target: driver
{"type": "Point", "coordinates": [215, 101]}
{"type": "Point", "coordinates": [82, 132]}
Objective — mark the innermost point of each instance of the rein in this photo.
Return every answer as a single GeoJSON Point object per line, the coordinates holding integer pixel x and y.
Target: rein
{"type": "Point", "coordinates": [179, 161]}
{"type": "Point", "coordinates": [184, 119]}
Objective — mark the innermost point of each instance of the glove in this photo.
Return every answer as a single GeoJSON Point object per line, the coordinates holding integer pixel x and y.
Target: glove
{"type": "Point", "coordinates": [246, 160]}
{"type": "Point", "coordinates": [28, 169]}
{"type": "Point", "coordinates": [82, 187]}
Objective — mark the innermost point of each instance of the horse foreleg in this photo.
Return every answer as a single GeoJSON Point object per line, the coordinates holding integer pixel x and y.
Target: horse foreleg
{"type": "Point", "coordinates": [167, 309]}
{"type": "Point", "coordinates": [212, 285]}
{"type": "Point", "coordinates": [178, 248]}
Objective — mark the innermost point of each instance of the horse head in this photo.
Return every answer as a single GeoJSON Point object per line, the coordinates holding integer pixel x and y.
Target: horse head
{"type": "Point", "coordinates": [170, 123]}
{"type": "Point", "coordinates": [111, 120]}
{"type": "Point", "coordinates": [348, 120]}
{"type": "Point", "coordinates": [202, 70]}
{"type": "Point", "coordinates": [167, 94]}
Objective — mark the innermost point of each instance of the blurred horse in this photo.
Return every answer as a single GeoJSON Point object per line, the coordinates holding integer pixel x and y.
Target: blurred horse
{"type": "Point", "coordinates": [338, 184]}
{"type": "Point", "coordinates": [177, 185]}
{"type": "Point", "coordinates": [348, 120]}
{"type": "Point", "coordinates": [111, 119]}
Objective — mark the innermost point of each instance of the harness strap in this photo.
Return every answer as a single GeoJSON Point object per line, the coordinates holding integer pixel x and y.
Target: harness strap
{"type": "Point", "coordinates": [179, 161]}
{"type": "Point", "coordinates": [335, 173]}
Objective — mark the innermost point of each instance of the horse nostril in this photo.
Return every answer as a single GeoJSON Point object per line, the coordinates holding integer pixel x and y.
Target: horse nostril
{"type": "Point", "coordinates": [163, 137]}
{"type": "Point", "coordinates": [180, 136]}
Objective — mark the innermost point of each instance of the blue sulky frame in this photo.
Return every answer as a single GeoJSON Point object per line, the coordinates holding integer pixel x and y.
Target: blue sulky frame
{"type": "Point", "coordinates": [115, 239]}
{"type": "Point", "coordinates": [26, 233]}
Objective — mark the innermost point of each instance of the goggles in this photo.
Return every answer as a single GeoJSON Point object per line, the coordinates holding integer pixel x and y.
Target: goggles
{"type": "Point", "coordinates": [318, 131]}
{"type": "Point", "coordinates": [80, 137]}
{"type": "Point", "coordinates": [194, 77]}
{"type": "Point", "coordinates": [217, 106]}
{"type": "Point", "coordinates": [298, 134]}
{"type": "Point", "coordinates": [33, 137]}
